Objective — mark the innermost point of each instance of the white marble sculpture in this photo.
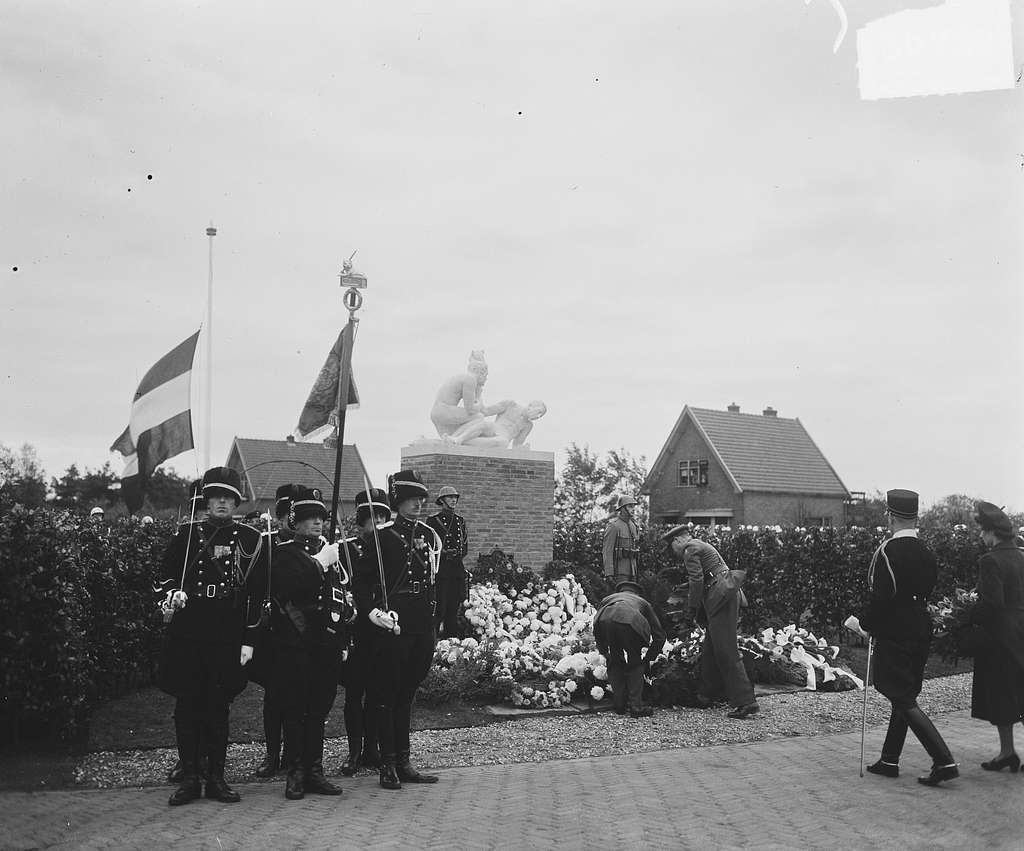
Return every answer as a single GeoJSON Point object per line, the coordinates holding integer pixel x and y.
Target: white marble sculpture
{"type": "Point", "coordinates": [459, 401]}
{"type": "Point", "coordinates": [510, 427]}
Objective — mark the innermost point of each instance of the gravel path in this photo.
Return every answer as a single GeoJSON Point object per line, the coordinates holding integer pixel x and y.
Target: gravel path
{"type": "Point", "coordinates": [536, 739]}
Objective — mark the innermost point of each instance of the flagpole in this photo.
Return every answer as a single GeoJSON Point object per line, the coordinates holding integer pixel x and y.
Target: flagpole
{"type": "Point", "coordinates": [211, 232]}
{"type": "Point", "coordinates": [352, 300]}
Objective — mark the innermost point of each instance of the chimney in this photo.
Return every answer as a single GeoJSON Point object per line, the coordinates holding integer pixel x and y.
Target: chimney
{"type": "Point", "coordinates": [734, 408]}
{"type": "Point", "coordinates": [770, 412]}
{"type": "Point", "coordinates": [290, 438]}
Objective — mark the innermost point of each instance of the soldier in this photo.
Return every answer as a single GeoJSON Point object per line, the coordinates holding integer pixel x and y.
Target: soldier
{"type": "Point", "coordinates": [204, 573]}
{"type": "Point", "coordinates": [624, 624]}
{"type": "Point", "coordinates": [196, 510]}
{"type": "Point", "coordinates": [273, 712]}
{"type": "Point", "coordinates": [394, 586]}
{"type": "Point", "coordinates": [902, 575]}
{"type": "Point", "coordinates": [451, 575]}
{"type": "Point", "coordinates": [308, 634]}
{"type": "Point", "coordinates": [715, 597]}
{"type": "Point", "coordinates": [372, 510]}
{"type": "Point", "coordinates": [621, 548]}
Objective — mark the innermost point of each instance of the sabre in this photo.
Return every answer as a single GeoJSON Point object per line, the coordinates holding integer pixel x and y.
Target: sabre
{"type": "Point", "coordinates": [864, 714]}
{"type": "Point", "coordinates": [178, 599]}
{"type": "Point", "coordinates": [380, 560]}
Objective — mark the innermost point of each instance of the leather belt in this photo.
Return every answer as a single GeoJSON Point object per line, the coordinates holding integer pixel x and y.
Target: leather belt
{"type": "Point", "coordinates": [412, 589]}
{"type": "Point", "coordinates": [711, 579]}
{"type": "Point", "coordinates": [213, 591]}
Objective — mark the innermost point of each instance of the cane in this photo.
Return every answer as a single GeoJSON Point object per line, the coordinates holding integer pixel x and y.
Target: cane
{"type": "Point", "coordinates": [864, 714]}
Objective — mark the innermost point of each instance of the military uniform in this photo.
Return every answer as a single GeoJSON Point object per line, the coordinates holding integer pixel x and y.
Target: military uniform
{"type": "Point", "coordinates": [357, 672]}
{"type": "Point", "coordinates": [451, 574]}
{"type": "Point", "coordinates": [620, 550]}
{"type": "Point", "coordinates": [408, 552]}
{"type": "Point", "coordinates": [902, 575]}
{"type": "Point", "coordinates": [308, 633]}
{"type": "Point", "coordinates": [273, 712]}
{"type": "Point", "coordinates": [200, 664]}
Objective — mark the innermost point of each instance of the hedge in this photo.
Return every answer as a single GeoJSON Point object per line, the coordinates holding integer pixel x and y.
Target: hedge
{"type": "Point", "coordinates": [79, 625]}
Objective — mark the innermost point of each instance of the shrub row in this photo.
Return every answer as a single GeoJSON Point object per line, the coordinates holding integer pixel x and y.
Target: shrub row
{"type": "Point", "coordinates": [78, 621]}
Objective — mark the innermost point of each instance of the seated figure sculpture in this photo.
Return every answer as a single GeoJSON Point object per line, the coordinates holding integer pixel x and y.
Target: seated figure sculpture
{"type": "Point", "coordinates": [447, 414]}
{"type": "Point", "coordinates": [510, 427]}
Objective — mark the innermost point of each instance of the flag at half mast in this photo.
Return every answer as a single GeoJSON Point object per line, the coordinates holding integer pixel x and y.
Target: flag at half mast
{"type": "Point", "coordinates": [160, 425]}
{"type": "Point", "coordinates": [321, 407]}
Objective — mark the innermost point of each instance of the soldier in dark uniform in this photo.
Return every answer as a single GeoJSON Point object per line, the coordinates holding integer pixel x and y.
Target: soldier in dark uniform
{"type": "Point", "coordinates": [196, 508]}
{"type": "Point", "coordinates": [308, 625]}
{"type": "Point", "coordinates": [902, 575]}
{"type": "Point", "coordinates": [360, 718]}
{"type": "Point", "coordinates": [204, 573]}
{"type": "Point", "coordinates": [394, 586]}
{"type": "Point", "coordinates": [273, 712]}
{"type": "Point", "coordinates": [451, 575]}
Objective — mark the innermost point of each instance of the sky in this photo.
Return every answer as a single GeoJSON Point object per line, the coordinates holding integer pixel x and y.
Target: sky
{"type": "Point", "coordinates": [628, 207]}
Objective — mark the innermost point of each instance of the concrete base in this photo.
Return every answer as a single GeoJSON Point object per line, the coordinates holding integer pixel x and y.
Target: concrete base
{"type": "Point", "coordinates": [506, 495]}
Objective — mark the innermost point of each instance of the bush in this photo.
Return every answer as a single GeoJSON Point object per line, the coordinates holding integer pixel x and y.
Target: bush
{"type": "Point", "coordinates": [77, 617]}
{"type": "Point", "coordinates": [502, 570]}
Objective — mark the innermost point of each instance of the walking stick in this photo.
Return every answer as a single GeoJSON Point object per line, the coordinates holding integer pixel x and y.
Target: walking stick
{"type": "Point", "coordinates": [864, 714]}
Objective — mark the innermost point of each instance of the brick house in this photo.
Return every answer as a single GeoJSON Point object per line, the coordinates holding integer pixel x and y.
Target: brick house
{"type": "Point", "coordinates": [264, 465]}
{"type": "Point", "coordinates": [730, 468]}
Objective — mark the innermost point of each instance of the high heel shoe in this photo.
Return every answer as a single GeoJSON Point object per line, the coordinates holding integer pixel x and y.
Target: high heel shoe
{"type": "Point", "coordinates": [1012, 762]}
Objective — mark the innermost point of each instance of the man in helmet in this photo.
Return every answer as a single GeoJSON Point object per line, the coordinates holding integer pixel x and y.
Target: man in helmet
{"type": "Point", "coordinates": [621, 549]}
{"type": "Point", "coordinates": [451, 575]}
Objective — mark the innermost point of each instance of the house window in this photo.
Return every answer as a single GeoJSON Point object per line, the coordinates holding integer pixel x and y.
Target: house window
{"type": "Point", "coordinates": [693, 474]}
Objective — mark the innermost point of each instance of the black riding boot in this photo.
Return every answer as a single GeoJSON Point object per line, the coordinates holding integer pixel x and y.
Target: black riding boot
{"type": "Point", "coordinates": [354, 732]}
{"type": "Point", "coordinates": [943, 767]}
{"type": "Point", "coordinates": [216, 787]}
{"type": "Point", "coordinates": [294, 785]}
{"type": "Point", "coordinates": [388, 775]}
{"type": "Point", "coordinates": [313, 760]}
{"type": "Point", "coordinates": [272, 720]}
{"type": "Point", "coordinates": [408, 774]}
{"type": "Point", "coordinates": [188, 757]}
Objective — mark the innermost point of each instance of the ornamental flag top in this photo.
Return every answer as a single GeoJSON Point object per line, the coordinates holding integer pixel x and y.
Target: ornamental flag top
{"type": "Point", "coordinates": [160, 424]}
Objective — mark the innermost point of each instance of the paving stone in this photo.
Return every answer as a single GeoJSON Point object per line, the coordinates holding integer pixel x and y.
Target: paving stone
{"type": "Point", "coordinates": [782, 794]}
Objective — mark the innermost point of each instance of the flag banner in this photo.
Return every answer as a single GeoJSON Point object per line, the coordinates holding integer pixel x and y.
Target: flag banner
{"type": "Point", "coordinates": [160, 425]}
{"type": "Point", "coordinates": [320, 407]}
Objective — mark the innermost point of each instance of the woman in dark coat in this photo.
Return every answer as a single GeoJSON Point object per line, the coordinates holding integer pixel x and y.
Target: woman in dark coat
{"type": "Point", "coordinates": [997, 693]}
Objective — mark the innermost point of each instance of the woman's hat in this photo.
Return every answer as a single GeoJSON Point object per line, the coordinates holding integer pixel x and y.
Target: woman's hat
{"type": "Point", "coordinates": [992, 518]}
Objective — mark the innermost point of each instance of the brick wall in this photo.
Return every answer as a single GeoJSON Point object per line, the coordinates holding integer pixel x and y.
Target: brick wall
{"type": "Point", "coordinates": [668, 498]}
{"type": "Point", "coordinates": [760, 509]}
{"type": "Point", "coordinates": [506, 495]}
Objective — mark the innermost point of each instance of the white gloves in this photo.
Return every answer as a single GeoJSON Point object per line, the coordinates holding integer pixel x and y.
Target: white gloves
{"type": "Point", "coordinates": [852, 623]}
{"type": "Point", "coordinates": [246, 654]}
{"type": "Point", "coordinates": [178, 599]}
{"type": "Point", "coordinates": [328, 555]}
{"type": "Point", "coordinates": [385, 620]}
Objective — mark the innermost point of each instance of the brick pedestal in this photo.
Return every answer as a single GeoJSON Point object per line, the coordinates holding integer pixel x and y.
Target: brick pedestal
{"type": "Point", "coordinates": [506, 495]}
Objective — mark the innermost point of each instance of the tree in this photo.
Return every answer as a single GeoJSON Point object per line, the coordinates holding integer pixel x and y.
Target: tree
{"type": "Point", "coordinates": [952, 510]}
{"type": "Point", "coordinates": [586, 488]}
{"type": "Point", "coordinates": [22, 479]}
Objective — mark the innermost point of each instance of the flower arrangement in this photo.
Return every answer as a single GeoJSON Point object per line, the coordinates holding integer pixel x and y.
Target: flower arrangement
{"type": "Point", "coordinates": [955, 636]}
{"type": "Point", "coordinates": [793, 654]}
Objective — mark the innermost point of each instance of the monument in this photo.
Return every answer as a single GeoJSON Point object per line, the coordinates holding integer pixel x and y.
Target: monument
{"type": "Point", "coordinates": [507, 489]}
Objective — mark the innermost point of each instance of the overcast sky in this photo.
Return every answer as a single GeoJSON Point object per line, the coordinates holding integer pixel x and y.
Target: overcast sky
{"type": "Point", "coordinates": [629, 207]}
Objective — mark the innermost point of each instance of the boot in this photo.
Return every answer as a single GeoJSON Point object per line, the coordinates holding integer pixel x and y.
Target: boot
{"type": "Point", "coordinates": [388, 774]}
{"type": "Point", "coordinates": [351, 763]}
{"type": "Point", "coordinates": [408, 774]}
{"type": "Point", "coordinates": [313, 760]}
{"type": "Point", "coordinates": [217, 788]}
{"type": "Point", "coordinates": [370, 757]}
{"type": "Point", "coordinates": [943, 766]}
{"type": "Point", "coordinates": [294, 787]}
{"type": "Point", "coordinates": [176, 774]}
{"type": "Point", "coordinates": [187, 737]}
{"type": "Point", "coordinates": [884, 767]}
{"type": "Point", "coordinates": [271, 764]}
{"type": "Point", "coordinates": [190, 788]}
{"type": "Point", "coordinates": [316, 782]}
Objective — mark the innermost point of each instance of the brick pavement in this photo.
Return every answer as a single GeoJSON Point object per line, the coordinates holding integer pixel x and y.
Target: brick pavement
{"type": "Point", "coordinates": [780, 794]}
